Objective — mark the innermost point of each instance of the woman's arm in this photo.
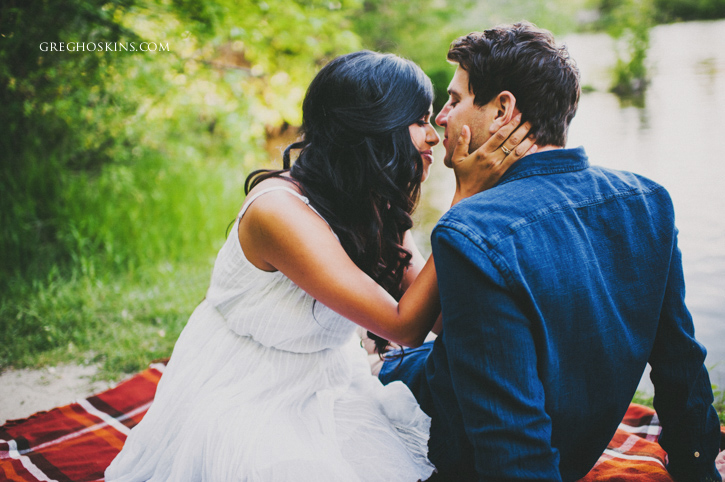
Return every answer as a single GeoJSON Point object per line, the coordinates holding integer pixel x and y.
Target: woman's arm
{"type": "Point", "coordinates": [417, 261]}
{"type": "Point", "coordinates": [416, 264]}
{"type": "Point", "coordinates": [279, 232]}
{"type": "Point", "coordinates": [475, 173]}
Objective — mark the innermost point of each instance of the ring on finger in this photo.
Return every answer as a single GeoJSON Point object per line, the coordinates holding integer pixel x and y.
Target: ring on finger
{"type": "Point", "coordinates": [505, 150]}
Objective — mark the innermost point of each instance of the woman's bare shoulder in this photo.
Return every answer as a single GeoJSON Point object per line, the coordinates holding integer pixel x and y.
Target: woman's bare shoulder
{"type": "Point", "coordinates": [284, 180]}
{"type": "Point", "coordinates": [274, 218]}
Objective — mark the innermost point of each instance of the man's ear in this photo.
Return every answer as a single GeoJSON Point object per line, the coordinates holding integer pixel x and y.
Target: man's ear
{"type": "Point", "coordinates": [505, 104]}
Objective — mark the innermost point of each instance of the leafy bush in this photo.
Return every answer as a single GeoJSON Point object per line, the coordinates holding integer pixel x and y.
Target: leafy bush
{"type": "Point", "coordinates": [117, 165]}
{"type": "Point", "coordinates": [679, 10]}
{"type": "Point", "coordinates": [94, 140]}
{"type": "Point", "coordinates": [628, 22]}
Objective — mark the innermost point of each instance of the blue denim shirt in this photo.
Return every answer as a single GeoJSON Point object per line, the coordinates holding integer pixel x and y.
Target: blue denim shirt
{"type": "Point", "coordinates": [557, 287]}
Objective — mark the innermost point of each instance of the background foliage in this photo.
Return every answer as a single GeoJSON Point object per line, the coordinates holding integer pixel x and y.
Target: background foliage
{"type": "Point", "coordinates": [119, 171]}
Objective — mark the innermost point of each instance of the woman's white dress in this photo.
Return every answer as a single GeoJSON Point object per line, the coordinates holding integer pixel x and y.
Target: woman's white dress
{"type": "Point", "coordinates": [266, 384]}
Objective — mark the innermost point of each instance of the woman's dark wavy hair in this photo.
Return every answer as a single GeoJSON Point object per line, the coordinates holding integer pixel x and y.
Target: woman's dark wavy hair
{"type": "Point", "coordinates": [357, 164]}
{"type": "Point", "coordinates": [525, 61]}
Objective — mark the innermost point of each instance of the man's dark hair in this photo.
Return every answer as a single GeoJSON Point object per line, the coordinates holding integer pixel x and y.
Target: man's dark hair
{"type": "Point", "coordinates": [524, 60]}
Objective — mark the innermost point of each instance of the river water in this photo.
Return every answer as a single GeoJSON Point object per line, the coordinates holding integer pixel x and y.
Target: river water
{"type": "Point", "coordinates": [676, 139]}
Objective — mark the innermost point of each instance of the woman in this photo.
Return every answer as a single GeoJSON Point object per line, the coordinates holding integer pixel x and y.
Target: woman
{"type": "Point", "coordinates": [264, 383]}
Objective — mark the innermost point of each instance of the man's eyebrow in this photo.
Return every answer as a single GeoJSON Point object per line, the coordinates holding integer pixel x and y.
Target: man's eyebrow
{"type": "Point", "coordinates": [454, 93]}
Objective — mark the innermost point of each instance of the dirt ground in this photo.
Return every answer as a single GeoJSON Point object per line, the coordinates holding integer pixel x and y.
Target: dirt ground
{"type": "Point", "coordinates": [27, 391]}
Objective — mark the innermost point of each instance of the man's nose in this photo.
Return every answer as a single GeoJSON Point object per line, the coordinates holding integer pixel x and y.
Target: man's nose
{"type": "Point", "coordinates": [442, 117]}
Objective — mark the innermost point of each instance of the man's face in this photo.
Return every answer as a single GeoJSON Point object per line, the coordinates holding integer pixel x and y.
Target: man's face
{"type": "Point", "coordinates": [459, 111]}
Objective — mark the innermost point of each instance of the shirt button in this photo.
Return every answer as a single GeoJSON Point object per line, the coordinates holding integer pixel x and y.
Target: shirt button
{"type": "Point", "coordinates": [697, 454]}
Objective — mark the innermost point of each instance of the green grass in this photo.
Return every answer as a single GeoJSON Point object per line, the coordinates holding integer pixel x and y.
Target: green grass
{"type": "Point", "coordinates": [719, 403]}
{"type": "Point", "coordinates": [122, 323]}
{"type": "Point", "coordinates": [139, 240]}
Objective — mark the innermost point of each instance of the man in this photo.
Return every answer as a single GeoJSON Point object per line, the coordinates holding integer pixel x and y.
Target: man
{"type": "Point", "coordinates": [557, 287]}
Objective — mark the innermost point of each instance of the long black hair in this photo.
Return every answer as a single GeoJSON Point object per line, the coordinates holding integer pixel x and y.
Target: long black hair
{"type": "Point", "coordinates": [357, 164]}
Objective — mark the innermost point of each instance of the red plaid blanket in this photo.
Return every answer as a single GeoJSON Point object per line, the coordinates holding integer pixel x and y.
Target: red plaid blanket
{"type": "Point", "coordinates": [76, 443]}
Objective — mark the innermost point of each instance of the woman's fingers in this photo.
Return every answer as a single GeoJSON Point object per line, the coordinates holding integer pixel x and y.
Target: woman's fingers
{"type": "Point", "coordinates": [499, 150]}
{"type": "Point", "coordinates": [515, 139]}
{"type": "Point", "coordinates": [503, 142]}
{"type": "Point", "coordinates": [501, 135]}
{"type": "Point", "coordinates": [461, 150]}
{"type": "Point", "coordinates": [482, 169]}
{"type": "Point", "coordinates": [519, 149]}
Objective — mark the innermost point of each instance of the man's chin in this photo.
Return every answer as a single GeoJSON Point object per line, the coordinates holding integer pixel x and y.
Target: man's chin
{"type": "Point", "coordinates": [447, 162]}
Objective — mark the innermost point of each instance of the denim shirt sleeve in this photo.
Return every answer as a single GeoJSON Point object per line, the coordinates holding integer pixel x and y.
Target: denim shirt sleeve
{"type": "Point", "coordinates": [493, 365]}
{"type": "Point", "coordinates": [683, 394]}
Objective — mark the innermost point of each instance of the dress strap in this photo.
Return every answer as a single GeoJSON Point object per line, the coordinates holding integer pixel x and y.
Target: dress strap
{"type": "Point", "coordinates": [302, 198]}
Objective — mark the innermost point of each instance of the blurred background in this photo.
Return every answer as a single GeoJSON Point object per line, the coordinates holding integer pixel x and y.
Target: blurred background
{"type": "Point", "coordinates": [120, 171]}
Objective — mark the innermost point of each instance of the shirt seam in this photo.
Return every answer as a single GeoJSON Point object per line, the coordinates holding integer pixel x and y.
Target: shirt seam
{"type": "Point", "coordinates": [489, 253]}
{"type": "Point", "coordinates": [544, 171]}
{"type": "Point", "coordinates": [530, 218]}
{"type": "Point", "coordinates": [488, 245]}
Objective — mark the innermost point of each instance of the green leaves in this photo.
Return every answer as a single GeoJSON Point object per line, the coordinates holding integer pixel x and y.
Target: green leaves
{"type": "Point", "coordinates": [235, 71]}
{"type": "Point", "coordinates": [116, 162]}
{"type": "Point", "coordinates": [629, 22]}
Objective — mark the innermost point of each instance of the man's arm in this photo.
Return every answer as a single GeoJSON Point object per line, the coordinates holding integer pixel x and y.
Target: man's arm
{"type": "Point", "coordinates": [683, 394]}
{"type": "Point", "coordinates": [493, 365]}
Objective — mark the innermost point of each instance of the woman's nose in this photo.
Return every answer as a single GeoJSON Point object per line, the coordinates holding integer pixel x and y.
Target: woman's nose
{"type": "Point", "coordinates": [432, 136]}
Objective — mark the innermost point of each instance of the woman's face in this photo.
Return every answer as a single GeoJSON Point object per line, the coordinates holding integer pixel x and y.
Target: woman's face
{"type": "Point", "coordinates": [424, 137]}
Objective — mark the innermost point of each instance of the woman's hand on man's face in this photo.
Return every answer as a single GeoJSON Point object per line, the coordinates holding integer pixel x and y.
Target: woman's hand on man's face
{"type": "Point", "coordinates": [481, 169]}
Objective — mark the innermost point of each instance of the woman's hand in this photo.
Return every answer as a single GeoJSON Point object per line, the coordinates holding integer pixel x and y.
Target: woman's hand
{"type": "Point", "coordinates": [482, 169]}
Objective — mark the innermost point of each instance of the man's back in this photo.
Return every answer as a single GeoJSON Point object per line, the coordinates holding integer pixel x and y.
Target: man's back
{"type": "Point", "coordinates": [557, 287]}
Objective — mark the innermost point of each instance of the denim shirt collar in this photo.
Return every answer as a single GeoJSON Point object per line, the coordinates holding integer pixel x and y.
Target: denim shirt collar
{"type": "Point", "coordinates": [547, 162]}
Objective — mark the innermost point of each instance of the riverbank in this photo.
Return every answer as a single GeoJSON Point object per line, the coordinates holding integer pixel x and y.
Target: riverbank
{"type": "Point", "coordinates": [27, 391]}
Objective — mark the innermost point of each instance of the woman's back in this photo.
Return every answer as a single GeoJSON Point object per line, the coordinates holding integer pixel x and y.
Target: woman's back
{"type": "Point", "coordinates": [268, 306]}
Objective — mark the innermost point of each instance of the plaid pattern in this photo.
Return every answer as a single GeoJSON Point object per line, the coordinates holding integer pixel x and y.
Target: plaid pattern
{"type": "Point", "coordinates": [76, 443]}
{"type": "Point", "coordinates": [633, 454]}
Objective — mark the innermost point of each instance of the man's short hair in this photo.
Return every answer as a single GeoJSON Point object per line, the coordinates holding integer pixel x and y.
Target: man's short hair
{"type": "Point", "coordinates": [524, 60]}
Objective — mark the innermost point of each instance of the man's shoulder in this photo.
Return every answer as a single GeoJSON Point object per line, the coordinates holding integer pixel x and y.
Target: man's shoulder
{"type": "Point", "coordinates": [627, 177]}
{"type": "Point", "coordinates": [498, 211]}
{"type": "Point", "coordinates": [608, 184]}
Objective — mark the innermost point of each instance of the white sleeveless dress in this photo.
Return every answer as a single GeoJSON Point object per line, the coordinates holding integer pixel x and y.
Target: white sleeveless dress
{"type": "Point", "coordinates": [266, 385]}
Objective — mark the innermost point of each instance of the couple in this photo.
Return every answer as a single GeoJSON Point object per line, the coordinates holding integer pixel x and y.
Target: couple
{"type": "Point", "coordinates": [555, 283]}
